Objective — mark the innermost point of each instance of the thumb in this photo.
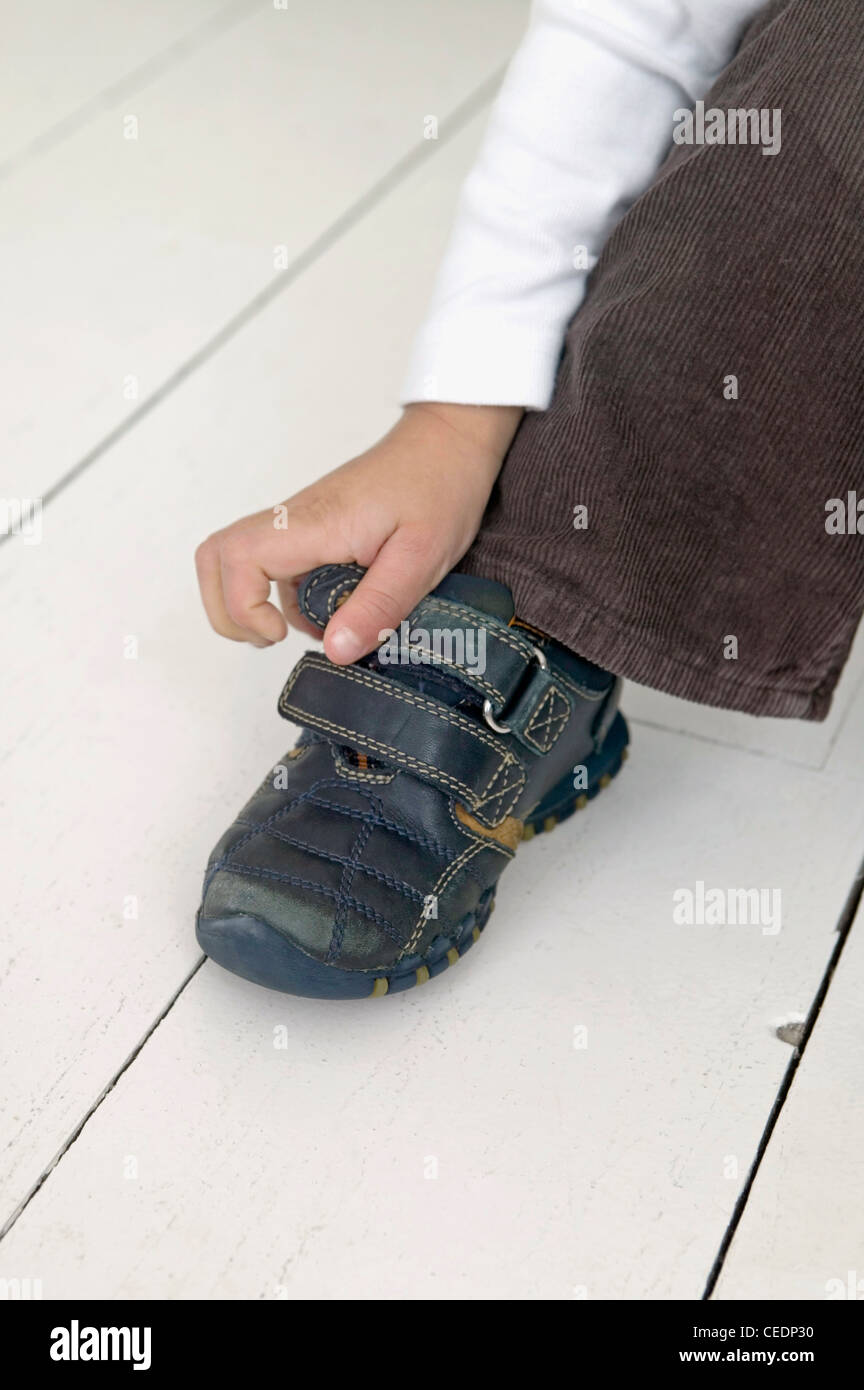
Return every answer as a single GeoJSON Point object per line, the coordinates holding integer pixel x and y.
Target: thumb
{"type": "Point", "coordinates": [402, 573]}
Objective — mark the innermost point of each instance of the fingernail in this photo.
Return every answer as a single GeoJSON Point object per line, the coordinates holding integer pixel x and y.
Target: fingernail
{"type": "Point", "coordinates": [345, 645]}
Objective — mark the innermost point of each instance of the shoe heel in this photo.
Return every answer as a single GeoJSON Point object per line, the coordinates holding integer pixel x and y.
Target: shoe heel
{"type": "Point", "coordinates": [561, 801]}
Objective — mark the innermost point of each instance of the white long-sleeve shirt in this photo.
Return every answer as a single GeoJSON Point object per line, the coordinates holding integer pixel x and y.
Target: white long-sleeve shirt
{"type": "Point", "coordinates": [583, 119]}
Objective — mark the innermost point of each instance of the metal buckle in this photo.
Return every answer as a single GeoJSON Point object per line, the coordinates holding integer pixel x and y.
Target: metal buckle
{"type": "Point", "coordinates": [540, 657]}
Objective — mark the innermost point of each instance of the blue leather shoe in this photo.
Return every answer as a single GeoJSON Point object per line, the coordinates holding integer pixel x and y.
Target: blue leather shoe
{"type": "Point", "coordinates": [368, 860]}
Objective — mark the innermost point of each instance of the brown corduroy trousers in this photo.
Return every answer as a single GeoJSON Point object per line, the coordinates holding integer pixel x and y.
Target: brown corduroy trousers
{"type": "Point", "coordinates": [689, 512]}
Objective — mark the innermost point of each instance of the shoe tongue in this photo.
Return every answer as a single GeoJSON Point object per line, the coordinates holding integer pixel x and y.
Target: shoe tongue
{"type": "Point", "coordinates": [324, 589]}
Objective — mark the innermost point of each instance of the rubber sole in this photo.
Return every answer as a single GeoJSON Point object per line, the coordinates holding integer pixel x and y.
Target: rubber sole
{"type": "Point", "coordinates": [248, 946]}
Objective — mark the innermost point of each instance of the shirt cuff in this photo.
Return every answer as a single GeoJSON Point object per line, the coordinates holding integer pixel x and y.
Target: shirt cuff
{"type": "Point", "coordinates": [488, 363]}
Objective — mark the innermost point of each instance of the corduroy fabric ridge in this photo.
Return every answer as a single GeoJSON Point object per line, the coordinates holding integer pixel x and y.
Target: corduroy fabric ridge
{"type": "Point", "coordinates": [706, 516]}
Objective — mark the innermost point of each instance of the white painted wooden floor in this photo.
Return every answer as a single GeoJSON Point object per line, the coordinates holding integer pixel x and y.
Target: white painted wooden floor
{"type": "Point", "coordinates": [575, 1112]}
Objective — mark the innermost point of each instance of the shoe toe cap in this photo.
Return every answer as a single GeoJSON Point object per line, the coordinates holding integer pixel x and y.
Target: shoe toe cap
{"type": "Point", "coordinates": [286, 935]}
{"type": "Point", "coordinates": [249, 946]}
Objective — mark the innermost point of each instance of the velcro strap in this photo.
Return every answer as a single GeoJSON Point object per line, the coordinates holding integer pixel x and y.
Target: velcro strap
{"type": "Point", "coordinates": [477, 648]}
{"type": "Point", "coordinates": [386, 720]}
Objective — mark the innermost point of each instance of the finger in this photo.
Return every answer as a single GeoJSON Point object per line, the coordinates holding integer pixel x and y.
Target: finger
{"type": "Point", "coordinates": [291, 608]}
{"type": "Point", "coordinates": [279, 545]}
{"type": "Point", "coordinates": [246, 591]}
{"type": "Point", "coordinates": [209, 570]}
{"type": "Point", "coordinates": [402, 573]}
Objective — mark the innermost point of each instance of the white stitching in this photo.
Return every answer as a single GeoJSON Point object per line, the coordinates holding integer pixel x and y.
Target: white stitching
{"type": "Point", "coordinates": [489, 621]}
{"type": "Point", "coordinates": [338, 589]}
{"type": "Point", "coordinates": [480, 839]}
{"type": "Point", "coordinates": [500, 795]}
{"type": "Point", "coordinates": [357, 773]}
{"type": "Point", "coordinates": [439, 888]}
{"type": "Point", "coordinates": [467, 675]}
{"type": "Point", "coordinates": [404, 758]}
{"type": "Point", "coordinates": [449, 716]}
{"type": "Point", "coordinates": [386, 688]}
{"type": "Point", "coordinates": [532, 729]}
{"type": "Point", "coordinates": [503, 633]}
{"type": "Point", "coordinates": [427, 607]}
{"type": "Point", "coordinates": [321, 581]}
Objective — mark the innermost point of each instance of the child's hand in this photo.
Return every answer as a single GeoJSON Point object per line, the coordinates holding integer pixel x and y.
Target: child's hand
{"type": "Point", "coordinates": [407, 510]}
